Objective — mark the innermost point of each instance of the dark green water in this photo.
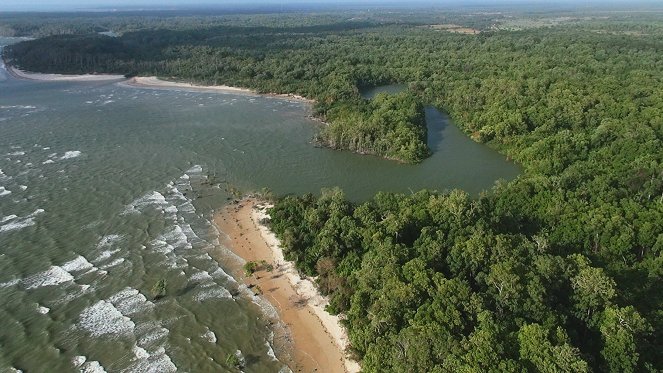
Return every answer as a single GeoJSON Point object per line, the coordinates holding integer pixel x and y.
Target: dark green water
{"type": "Point", "coordinates": [104, 190]}
{"type": "Point", "coordinates": [369, 93]}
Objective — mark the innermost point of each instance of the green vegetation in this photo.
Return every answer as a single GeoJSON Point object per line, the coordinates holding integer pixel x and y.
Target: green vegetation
{"type": "Point", "coordinates": [504, 88]}
{"type": "Point", "coordinates": [392, 126]}
{"type": "Point", "coordinates": [252, 267]}
{"type": "Point", "coordinates": [435, 282]}
{"type": "Point", "coordinates": [159, 289]}
{"type": "Point", "coordinates": [558, 270]}
{"type": "Point", "coordinates": [234, 361]}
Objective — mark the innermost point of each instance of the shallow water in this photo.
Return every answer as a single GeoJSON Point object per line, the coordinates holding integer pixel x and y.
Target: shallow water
{"type": "Point", "coordinates": [106, 189]}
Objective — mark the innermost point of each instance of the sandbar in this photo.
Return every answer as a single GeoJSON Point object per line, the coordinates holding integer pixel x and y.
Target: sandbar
{"type": "Point", "coordinates": [155, 82]}
{"type": "Point", "coordinates": [20, 74]}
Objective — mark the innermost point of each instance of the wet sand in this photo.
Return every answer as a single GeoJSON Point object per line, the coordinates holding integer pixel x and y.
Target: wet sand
{"type": "Point", "coordinates": [318, 340]}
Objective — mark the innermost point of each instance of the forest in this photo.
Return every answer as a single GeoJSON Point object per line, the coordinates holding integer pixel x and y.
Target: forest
{"type": "Point", "coordinates": [556, 271]}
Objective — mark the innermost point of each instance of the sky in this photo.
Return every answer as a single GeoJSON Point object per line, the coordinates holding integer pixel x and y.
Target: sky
{"type": "Point", "coordinates": [68, 5]}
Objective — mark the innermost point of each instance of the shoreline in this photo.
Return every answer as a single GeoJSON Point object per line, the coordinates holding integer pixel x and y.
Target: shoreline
{"type": "Point", "coordinates": [156, 83]}
{"type": "Point", "coordinates": [152, 82]}
{"type": "Point", "coordinates": [318, 338]}
{"type": "Point", "coordinates": [20, 74]}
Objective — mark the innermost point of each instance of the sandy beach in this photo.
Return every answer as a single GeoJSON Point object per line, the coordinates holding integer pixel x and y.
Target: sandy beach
{"type": "Point", "coordinates": [154, 82]}
{"type": "Point", "coordinates": [318, 339]}
{"type": "Point", "coordinates": [145, 82]}
{"type": "Point", "coordinates": [20, 74]}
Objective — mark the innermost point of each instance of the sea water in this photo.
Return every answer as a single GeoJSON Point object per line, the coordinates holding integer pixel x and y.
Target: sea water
{"type": "Point", "coordinates": [106, 189]}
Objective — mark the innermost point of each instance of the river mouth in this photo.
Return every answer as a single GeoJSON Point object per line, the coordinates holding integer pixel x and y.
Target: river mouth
{"type": "Point", "coordinates": [105, 190]}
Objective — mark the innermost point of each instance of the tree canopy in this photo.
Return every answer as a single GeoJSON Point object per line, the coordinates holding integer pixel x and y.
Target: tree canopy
{"type": "Point", "coordinates": [558, 270]}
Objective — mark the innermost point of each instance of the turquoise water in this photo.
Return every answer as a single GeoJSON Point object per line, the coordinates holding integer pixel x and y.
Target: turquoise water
{"type": "Point", "coordinates": [105, 189]}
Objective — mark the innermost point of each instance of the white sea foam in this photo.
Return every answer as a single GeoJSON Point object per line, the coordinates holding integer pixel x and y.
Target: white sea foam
{"type": "Point", "coordinates": [48, 161]}
{"type": "Point", "coordinates": [170, 210]}
{"type": "Point", "coordinates": [176, 193]}
{"type": "Point", "coordinates": [17, 107]}
{"type": "Point", "coordinates": [176, 237]}
{"type": "Point", "coordinates": [104, 255]}
{"type": "Point", "coordinates": [188, 231]}
{"type": "Point", "coordinates": [212, 291]}
{"type": "Point", "coordinates": [9, 283]}
{"type": "Point", "coordinates": [77, 361]}
{"type": "Point", "coordinates": [8, 218]}
{"type": "Point", "coordinates": [153, 335]}
{"type": "Point", "coordinates": [114, 263]}
{"type": "Point", "coordinates": [187, 208]}
{"type": "Point", "coordinates": [92, 367]}
{"type": "Point", "coordinates": [15, 154]}
{"type": "Point", "coordinates": [140, 353]}
{"type": "Point", "coordinates": [196, 169]}
{"type": "Point", "coordinates": [71, 154]}
{"type": "Point", "coordinates": [23, 187]}
{"type": "Point", "coordinates": [221, 273]}
{"type": "Point", "coordinates": [157, 361]}
{"type": "Point", "coordinates": [130, 301]}
{"type": "Point", "coordinates": [161, 246]}
{"type": "Point", "coordinates": [209, 336]}
{"type": "Point", "coordinates": [240, 357]}
{"type": "Point", "coordinates": [52, 276]}
{"type": "Point", "coordinates": [103, 318]}
{"type": "Point", "coordinates": [4, 192]}
{"type": "Point", "coordinates": [153, 198]}
{"type": "Point", "coordinates": [270, 351]}
{"type": "Point", "coordinates": [79, 264]}
{"type": "Point", "coordinates": [200, 277]}
{"type": "Point", "coordinates": [24, 222]}
{"type": "Point", "coordinates": [267, 308]}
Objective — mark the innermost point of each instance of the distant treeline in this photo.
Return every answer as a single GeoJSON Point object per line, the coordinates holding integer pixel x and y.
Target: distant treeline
{"type": "Point", "coordinates": [558, 270]}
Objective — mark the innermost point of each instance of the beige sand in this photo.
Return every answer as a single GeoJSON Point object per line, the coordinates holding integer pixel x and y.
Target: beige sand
{"type": "Point", "coordinates": [20, 74]}
{"type": "Point", "coordinates": [319, 339]}
{"type": "Point", "coordinates": [154, 82]}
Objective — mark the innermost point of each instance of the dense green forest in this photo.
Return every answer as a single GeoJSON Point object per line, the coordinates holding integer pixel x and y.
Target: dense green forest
{"type": "Point", "coordinates": [326, 57]}
{"type": "Point", "coordinates": [558, 270]}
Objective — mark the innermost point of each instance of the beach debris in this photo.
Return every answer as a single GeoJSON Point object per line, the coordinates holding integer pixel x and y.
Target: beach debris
{"type": "Point", "coordinates": [159, 289]}
{"type": "Point", "coordinates": [236, 360]}
{"type": "Point", "coordinates": [251, 267]}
